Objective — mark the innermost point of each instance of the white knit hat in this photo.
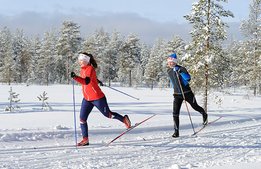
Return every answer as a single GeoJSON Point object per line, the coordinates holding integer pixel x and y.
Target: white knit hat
{"type": "Point", "coordinates": [84, 57]}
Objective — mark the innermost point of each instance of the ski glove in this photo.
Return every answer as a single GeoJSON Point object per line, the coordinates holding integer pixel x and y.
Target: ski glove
{"type": "Point", "coordinates": [73, 75]}
{"type": "Point", "coordinates": [100, 82]}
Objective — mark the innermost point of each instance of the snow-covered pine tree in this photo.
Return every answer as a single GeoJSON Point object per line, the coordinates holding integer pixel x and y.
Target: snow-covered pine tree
{"type": "Point", "coordinates": [129, 58]}
{"type": "Point", "coordinates": [13, 101]}
{"type": "Point", "coordinates": [109, 60]}
{"type": "Point", "coordinates": [68, 47]}
{"type": "Point", "coordinates": [89, 45]}
{"type": "Point", "coordinates": [33, 64]}
{"type": "Point", "coordinates": [207, 35]}
{"type": "Point", "coordinates": [154, 67]}
{"type": "Point", "coordinates": [145, 53]}
{"type": "Point", "coordinates": [177, 45]}
{"type": "Point", "coordinates": [48, 56]}
{"type": "Point", "coordinates": [237, 58]}
{"type": "Point", "coordinates": [252, 30]}
{"type": "Point", "coordinates": [21, 56]}
{"type": "Point", "coordinates": [6, 56]}
{"type": "Point", "coordinates": [43, 98]}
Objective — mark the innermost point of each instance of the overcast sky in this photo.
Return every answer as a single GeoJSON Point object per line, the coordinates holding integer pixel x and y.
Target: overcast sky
{"type": "Point", "coordinates": [147, 18]}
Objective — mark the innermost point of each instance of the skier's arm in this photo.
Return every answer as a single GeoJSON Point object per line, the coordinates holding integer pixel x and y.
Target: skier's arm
{"type": "Point", "coordinates": [79, 79]}
{"type": "Point", "coordinates": [83, 81]}
{"type": "Point", "coordinates": [185, 76]}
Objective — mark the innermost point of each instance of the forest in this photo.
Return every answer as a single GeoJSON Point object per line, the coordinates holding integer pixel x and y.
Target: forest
{"type": "Point", "coordinates": [48, 59]}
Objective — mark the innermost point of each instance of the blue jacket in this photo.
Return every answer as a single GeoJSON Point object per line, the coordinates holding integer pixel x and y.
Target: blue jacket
{"type": "Point", "coordinates": [182, 76]}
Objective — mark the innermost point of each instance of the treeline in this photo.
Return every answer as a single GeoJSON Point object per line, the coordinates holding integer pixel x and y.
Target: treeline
{"type": "Point", "coordinates": [49, 58]}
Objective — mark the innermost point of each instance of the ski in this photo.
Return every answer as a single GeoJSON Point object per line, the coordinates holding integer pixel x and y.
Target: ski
{"type": "Point", "coordinates": [204, 126]}
{"type": "Point", "coordinates": [47, 148]}
{"type": "Point", "coordinates": [129, 129]}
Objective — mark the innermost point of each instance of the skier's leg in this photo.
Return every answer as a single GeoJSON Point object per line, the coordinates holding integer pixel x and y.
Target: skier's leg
{"type": "Point", "coordinates": [103, 107]}
{"type": "Point", "coordinates": [190, 97]}
{"type": "Point", "coordinates": [86, 108]}
{"type": "Point", "coordinates": [176, 111]}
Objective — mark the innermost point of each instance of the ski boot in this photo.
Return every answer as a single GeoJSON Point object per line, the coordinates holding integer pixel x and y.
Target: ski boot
{"type": "Point", "coordinates": [205, 118]}
{"type": "Point", "coordinates": [176, 134]}
{"type": "Point", "coordinates": [84, 142]}
{"type": "Point", "coordinates": [127, 121]}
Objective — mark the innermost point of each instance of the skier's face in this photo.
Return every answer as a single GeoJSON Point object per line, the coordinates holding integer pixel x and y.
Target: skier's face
{"type": "Point", "coordinates": [83, 63]}
{"type": "Point", "coordinates": [171, 64]}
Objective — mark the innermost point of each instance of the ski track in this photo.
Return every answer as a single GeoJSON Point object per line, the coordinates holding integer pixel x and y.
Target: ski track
{"type": "Point", "coordinates": [40, 139]}
{"type": "Point", "coordinates": [233, 143]}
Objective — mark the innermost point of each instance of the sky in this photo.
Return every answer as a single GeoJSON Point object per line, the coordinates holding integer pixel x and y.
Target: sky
{"type": "Point", "coordinates": [118, 14]}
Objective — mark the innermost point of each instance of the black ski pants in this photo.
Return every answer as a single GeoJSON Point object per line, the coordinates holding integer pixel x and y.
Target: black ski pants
{"type": "Point", "coordinates": [190, 98]}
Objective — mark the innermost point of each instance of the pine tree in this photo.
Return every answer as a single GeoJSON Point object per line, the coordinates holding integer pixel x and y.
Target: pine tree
{"type": "Point", "coordinates": [154, 68]}
{"type": "Point", "coordinates": [68, 47]}
{"type": "Point", "coordinates": [207, 35]}
{"type": "Point", "coordinates": [48, 57]}
{"type": "Point", "coordinates": [6, 56]}
{"type": "Point", "coordinates": [109, 60]}
{"type": "Point", "coordinates": [13, 101]}
{"type": "Point", "coordinates": [145, 53]}
{"type": "Point", "coordinates": [21, 56]}
{"type": "Point", "coordinates": [252, 30]}
{"type": "Point", "coordinates": [33, 64]}
{"type": "Point", "coordinates": [129, 58]}
{"type": "Point", "coordinates": [43, 98]}
{"type": "Point", "coordinates": [237, 57]}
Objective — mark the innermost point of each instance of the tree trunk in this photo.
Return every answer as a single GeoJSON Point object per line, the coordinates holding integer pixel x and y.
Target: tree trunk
{"type": "Point", "coordinates": [206, 88]}
{"type": "Point", "coordinates": [130, 83]}
{"type": "Point", "coordinates": [206, 61]}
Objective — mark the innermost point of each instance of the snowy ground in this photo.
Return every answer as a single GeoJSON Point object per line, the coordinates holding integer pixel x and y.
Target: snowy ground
{"type": "Point", "coordinates": [32, 138]}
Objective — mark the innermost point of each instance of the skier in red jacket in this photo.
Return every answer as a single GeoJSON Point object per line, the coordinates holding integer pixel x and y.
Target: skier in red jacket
{"type": "Point", "coordinates": [93, 95]}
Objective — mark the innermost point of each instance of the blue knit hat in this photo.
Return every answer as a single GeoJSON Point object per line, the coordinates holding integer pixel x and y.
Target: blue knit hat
{"type": "Point", "coordinates": [173, 58]}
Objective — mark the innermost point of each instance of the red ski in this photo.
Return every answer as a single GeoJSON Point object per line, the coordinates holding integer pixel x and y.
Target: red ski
{"type": "Point", "coordinates": [204, 126]}
{"type": "Point", "coordinates": [129, 129]}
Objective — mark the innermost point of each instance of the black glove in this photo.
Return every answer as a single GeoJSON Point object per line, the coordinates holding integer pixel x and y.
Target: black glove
{"type": "Point", "coordinates": [100, 82]}
{"type": "Point", "coordinates": [73, 75]}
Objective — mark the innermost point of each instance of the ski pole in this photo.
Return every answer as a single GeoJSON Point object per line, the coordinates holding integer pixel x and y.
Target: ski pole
{"type": "Point", "coordinates": [183, 95]}
{"type": "Point", "coordinates": [74, 114]}
{"type": "Point", "coordinates": [123, 92]}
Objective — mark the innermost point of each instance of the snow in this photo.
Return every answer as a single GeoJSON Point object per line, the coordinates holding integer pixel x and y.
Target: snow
{"type": "Point", "coordinates": [35, 138]}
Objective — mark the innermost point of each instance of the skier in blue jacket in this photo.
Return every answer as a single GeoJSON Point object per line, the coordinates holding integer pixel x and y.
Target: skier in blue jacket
{"type": "Point", "coordinates": [180, 78]}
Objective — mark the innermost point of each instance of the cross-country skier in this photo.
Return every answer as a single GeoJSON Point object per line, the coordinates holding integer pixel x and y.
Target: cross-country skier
{"type": "Point", "coordinates": [180, 78]}
{"type": "Point", "coordinates": [93, 96]}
